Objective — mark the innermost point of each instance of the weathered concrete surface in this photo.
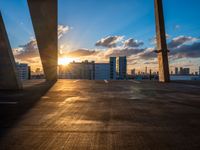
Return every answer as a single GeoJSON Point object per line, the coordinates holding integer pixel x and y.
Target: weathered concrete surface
{"type": "Point", "coordinates": [161, 43]}
{"type": "Point", "coordinates": [44, 17]}
{"type": "Point", "coordinates": [77, 114]}
{"type": "Point", "coordinates": [8, 72]}
{"type": "Point", "coordinates": [15, 103]}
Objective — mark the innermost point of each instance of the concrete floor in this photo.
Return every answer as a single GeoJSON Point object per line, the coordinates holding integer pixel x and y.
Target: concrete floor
{"type": "Point", "coordinates": [79, 114]}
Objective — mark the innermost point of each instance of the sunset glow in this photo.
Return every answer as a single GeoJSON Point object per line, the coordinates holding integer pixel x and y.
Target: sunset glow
{"type": "Point", "coordinates": [65, 60]}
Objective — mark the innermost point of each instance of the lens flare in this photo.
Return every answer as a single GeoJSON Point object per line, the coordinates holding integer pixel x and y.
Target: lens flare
{"type": "Point", "coordinates": [65, 60]}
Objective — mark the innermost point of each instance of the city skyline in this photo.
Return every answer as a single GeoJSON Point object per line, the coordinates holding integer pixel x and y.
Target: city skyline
{"type": "Point", "coordinates": [110, 31]}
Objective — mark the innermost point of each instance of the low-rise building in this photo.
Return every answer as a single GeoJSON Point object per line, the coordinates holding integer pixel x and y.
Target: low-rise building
{"type": "Point", "coordinates": [24, 71]}
{"type": "Point", "coordinates": [77, 70]}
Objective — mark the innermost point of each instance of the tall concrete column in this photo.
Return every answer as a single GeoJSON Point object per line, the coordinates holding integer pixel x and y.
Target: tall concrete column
{"type": "Point", "coordinates": [44, 19]}
{"type": "Point", "coordinates": [9, 79]}
{"type": "Point", "coordinates": [161, 43]}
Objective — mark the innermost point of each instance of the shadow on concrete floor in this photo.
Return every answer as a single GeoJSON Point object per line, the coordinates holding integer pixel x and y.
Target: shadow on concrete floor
{"type": "Point", "coordinates": [13, 104]}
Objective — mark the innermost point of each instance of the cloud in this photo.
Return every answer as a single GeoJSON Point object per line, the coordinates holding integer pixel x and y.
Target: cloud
{"type": "Point", "coordinates": [133, 43]}
{"type": "Point", "coordinates": [180, 47]}
{"type": "Point", "coordinates": [187, 51]}
{"type": "Point", "coordinates": [80, 53]}
{"type": "Point", "coordinates": [151, 62]}
{"type": "Point", "coordinates": [109, 41]}
{"type": "Point", "coordinates": [63, 30]}
{"type": "Point", "coordinates": [30, 49]}
{"type": "Point", "coordinates": [180, 40]}
{"type": "Point", "coordinates": [101, 55]}
{"type": "Point", "coordinates": [121, 51]}
{"type": "Point", "coordinates": [27, 51]}
{"type": "Point", "coordinates": [153, 40]}
{"type": "Point", "coordinates": [148, 54]}
{"type": "Point", "coordinates": [177, 27]}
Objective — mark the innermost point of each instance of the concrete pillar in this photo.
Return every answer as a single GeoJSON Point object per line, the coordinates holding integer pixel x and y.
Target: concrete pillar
{"type": "Point", "coordinates": [161, 43]}
{"type": "Point", "coordinates": [9, 79]}
{"type": "Point", "coordinates": [44, 19]}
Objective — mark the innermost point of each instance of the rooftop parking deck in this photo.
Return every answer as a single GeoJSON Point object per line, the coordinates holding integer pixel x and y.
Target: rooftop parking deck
{"type": "Point", "coordinates": [80, 114]}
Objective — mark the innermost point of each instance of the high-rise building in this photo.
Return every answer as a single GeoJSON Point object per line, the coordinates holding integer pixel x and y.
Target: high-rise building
{"type": "Point", "coordinates": [113, 68]}
{"type": "Point", "coordinates": [102, 71]}
{"type": "Point", "coordinates": [122, 67]}
{"type": "Point", "coordinates": [176, 71]}
{"type": "Point", "coordinates": [23, 71]}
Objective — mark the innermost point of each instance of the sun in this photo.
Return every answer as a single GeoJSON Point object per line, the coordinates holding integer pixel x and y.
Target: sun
{"type": "Point", "coordinates": [65, 60]}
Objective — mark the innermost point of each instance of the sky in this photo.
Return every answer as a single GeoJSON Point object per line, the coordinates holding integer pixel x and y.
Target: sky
{"type": "Point", "coordinates": [98, 29]}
